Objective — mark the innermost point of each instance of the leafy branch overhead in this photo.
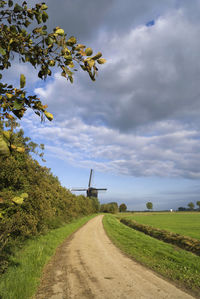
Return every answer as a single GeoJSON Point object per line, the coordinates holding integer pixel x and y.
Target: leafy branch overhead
{"type": "Point", "coordinates": [42, 50]}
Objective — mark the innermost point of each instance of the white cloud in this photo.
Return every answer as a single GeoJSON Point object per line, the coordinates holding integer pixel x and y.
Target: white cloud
{"type": "Point", "coordinates": [141, 116]}
{"type": "Point", "coordinates": [171, 153]}
{"type": "Point", "coordinates": [152, 74]}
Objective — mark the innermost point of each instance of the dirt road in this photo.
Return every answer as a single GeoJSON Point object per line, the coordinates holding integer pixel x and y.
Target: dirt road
{"type": "Point", "coordinates": [90, 266]}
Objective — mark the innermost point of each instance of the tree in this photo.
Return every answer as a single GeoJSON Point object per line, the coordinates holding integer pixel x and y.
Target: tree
{"type": "Point", "coordinates": [122, 207]}
{"type": "Point", "coordinates": [149, 205]}
{"type": "Point", "coordinates": [111, 207]}
{"type": "Point", "coordinates": [191, 205]}
{"type": "Point", "coordinates": [44, 51]}
{"type": "Point", "coordinates": [11, 142]}
{"type": "Point", "coordinates": [198, 204]}
{"type": "Point", "coordinates": [181, 209]}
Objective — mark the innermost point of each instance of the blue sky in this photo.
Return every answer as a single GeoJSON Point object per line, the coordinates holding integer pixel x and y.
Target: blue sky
{"type": "Point", "coordinates": [137, 126]}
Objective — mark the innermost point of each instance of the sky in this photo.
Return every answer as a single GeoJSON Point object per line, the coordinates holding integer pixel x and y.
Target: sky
{"type": "Point", "coordinates": [138, 125]}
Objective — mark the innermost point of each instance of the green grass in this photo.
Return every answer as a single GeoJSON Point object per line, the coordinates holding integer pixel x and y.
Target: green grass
{"type": "Point", "coordinates": [187, 224]}
{"type": "Point", "coordinates": [178, 265]}
{"type": "Point", "coordinates": [22, 280]}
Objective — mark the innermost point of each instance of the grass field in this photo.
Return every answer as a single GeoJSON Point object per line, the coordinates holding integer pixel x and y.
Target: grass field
{"type": "Point", "coordinates": [178, 265]}
{"type": "Point", "coordinates": [21, 280]}
{"type": "Point", "coordinates": [187, 224]}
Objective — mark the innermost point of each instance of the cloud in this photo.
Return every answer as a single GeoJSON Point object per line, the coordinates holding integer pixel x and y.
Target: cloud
{"type": "Point", "coordinates": [86, 19]}
{"type": "Point", "coordinates": [141, 117]}
{"type": "Point", "coordinates": [174, 152]}
{"type": "Point", "coordinates": [152, 74]}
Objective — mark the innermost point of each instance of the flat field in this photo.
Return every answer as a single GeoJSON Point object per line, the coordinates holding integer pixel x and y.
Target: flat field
{"type": "Point", "coordinates": [187, 223]}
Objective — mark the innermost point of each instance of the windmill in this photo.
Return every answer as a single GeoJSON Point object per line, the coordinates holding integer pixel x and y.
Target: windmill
{"type": "Point", "coordinates": [91, 192]}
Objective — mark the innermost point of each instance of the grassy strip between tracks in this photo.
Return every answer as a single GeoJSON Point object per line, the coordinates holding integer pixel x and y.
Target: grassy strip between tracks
{"type": "Point", "coordinates": [173, 263]}
{"type": "Point", "coordinates": [22, 279]}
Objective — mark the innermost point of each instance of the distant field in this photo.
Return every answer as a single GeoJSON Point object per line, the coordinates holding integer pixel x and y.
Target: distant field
{"type": "Point", "coordinates": [187, 224]}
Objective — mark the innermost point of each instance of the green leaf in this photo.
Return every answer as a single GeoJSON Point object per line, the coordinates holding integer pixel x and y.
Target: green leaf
{"type": "Point", "coordinates": [45, 16]}
{"type": "Point", "coordinates": [2, 51]}
{"type": "Point", "coordinates": [44, 7]}
{"type": "Point", "coordinates": [10, 3]}
{"type": "Point", "coordinates": [71, 41]}
{"type": "Point", "coordinates": [38, 18]}
{"type": "Point", "coordinates": [22, 81]}
{"type": "Point", "coordinates": [18, 8]}
{"type": "Point", "coordinates": [97, 56]}
{"type": "Point", "coordinates": [27, 23]}
{"type": "Point", "coordinates": [17, 105]}
{"type": "Point", "coordinates": [4, 149]}
{"type": "Point", "coordinates": [49, 40]}
{"type": "Point", "coordinates": [88, 51]}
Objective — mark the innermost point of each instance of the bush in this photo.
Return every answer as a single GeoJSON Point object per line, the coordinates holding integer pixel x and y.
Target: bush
{"type": "Point", "coordinates": [111, 207]}
{"type": "Point", "coordinates": [32, 201]}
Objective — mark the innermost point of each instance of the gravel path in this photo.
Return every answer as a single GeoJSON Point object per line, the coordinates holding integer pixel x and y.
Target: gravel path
{"type": "Point", "coordinates": [90, 266]}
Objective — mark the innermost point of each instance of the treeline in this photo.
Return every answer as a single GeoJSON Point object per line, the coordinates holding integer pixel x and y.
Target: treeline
{"type": "Point", "coordinates": [111, 207]}
{"type": "Point", "coordinates": [32, 200]}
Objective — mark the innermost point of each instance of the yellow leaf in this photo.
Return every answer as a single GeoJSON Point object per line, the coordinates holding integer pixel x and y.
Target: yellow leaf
{"type": "Point", "coordinates": [7, 134]}
{"type": "Point", "coordinates": [9, 116]}
{"type": "Point", "coordinates": [44, 6]}
{"type": "Point", "coordinates": [101, 61]}
{"type": "Point", "coordinates": [60, 31]}
{"type": "Point", "coordinates": [91, 63]}
{"type": "Point", "coordinates": [20, 149]}
{"type": "Point", "coordinates": [79, 46]}
{"type": "Point", "coordinates": [48, 115]}
{"type": "Point", "coordinates": [71, 64]}
{"type": "Point", "coordinates": [9, 95]}
{"type": "Point", "coordinates": [24, 195]}
{"type": "Point", "coordinates": [18, 200]}
{"type": "Point", "coordinates": [13, 146]}
{"type": "Point", "coordinates": [52, 62]}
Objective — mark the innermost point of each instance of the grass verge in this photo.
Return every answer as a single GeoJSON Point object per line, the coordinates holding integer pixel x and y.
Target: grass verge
{"type": "Point", "coordinates": [21, 281]}
{"type": "Point", "coordinates": [186, 243]}
{"type": "Point", "coordinates": [178, 265]}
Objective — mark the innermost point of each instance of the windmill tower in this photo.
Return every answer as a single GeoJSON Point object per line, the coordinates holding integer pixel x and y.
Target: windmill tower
{"type": "Point", "coordinates": [90, 191]}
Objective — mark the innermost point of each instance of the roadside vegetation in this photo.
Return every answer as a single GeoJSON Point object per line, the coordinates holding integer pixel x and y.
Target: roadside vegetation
{"type": "Point", "coordinates": [23, 277]}
{"type": "Point", "coordinates": [171, 262]}
{"type": "Point", "coordinates": [32, 200]}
